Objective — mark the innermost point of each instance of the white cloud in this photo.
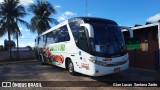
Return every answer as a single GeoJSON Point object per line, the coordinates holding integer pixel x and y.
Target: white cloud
{"type": "Point", "coordinates": [57, 6]}
{"type": "Point", "coordinates": [154, 18]}
{"type": "Point", "coordinates": [23, 2]}
{"type": "Point", "coordinates": [26, 30]}
{"type": "Point", "coordinates": [31, 44]}
{"type": "Point", "coordinates": [26, 2]}
{"type": "Point", "coordinates": [66, 15]}
{"type": "Point", "coordinates": [20, 28]}
{"type": "Point", "coordinates": [22, 36]}
{"type": "Point", "coordinates": [1, 1]}
{"type": "Point", "coordinates": [27, 44]}
{"type": "Point", "coordinates": [33, 37]}
{"type": "Point", "coordinates": [89, 14]}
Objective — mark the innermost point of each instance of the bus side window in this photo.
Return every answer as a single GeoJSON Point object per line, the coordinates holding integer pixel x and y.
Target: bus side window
{"type": "Point", "coordinates": [50, 38]}
{"type": "Point", "coordinates": [42, 40]}
{"type": "Point", "coordinates": [56, 36]}
{"type": "Point", "coordinates": [64, 34]}
{"type": "Point", "coordinates": [82, 39]}
{"type": "Point", "coordinates": [38, 40]}
{"type": "Point", "coordinates": [74, 28]}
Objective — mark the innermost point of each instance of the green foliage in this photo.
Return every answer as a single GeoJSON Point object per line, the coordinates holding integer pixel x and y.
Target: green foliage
{"type": "Point", "coordinates": [1, 48]}
{"type": "Point", "coordinates": [41, 19]}
{"type": "Point", "coordinates": [30, 48]}
{"type": "Point", "coordinates": [11, 13]}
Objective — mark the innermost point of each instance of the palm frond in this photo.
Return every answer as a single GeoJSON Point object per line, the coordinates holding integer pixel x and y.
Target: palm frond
{"type": "Point", "coordinates": [23, 22]}
{"type": "Point", "coordinates": [42, 11]}
{"type": "Point", "coordinates": [52, 20]}
{"type": "Point", "coordinates": [10, 11]}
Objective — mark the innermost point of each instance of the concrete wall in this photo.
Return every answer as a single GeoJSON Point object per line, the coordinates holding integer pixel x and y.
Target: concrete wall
{"type": "Point", "coordinates": [22, 55]}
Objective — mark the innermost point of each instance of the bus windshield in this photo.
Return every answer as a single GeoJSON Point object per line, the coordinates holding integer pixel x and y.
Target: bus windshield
{"type": "Point", "coordinates": [108, 39]}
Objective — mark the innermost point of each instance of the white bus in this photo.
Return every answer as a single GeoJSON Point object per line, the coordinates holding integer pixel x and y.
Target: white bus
{"type": "Point", "coordinates": [87, 45]}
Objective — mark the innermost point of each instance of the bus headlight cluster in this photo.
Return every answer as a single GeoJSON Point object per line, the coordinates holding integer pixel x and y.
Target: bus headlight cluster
{"type": "Point", "coordinates": [109, 64]}
{"type": "Point", "coordinates": [99, 62]}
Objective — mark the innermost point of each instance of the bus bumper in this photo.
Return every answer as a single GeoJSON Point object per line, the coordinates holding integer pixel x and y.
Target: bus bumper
{"type": "Point", "coordinates": [102, 70]}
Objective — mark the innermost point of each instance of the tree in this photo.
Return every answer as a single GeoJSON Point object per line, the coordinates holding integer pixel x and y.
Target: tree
{"type": "Point", "coordinates": [1, 48]}
{"type": "Point", "coordinates": [11, 12]}
{"type": "Point", "coordinates": [42, 11]}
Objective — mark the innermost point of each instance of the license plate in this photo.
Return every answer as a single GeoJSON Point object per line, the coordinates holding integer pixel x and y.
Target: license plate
{"type": "Point", "coordinates": [117, 69]}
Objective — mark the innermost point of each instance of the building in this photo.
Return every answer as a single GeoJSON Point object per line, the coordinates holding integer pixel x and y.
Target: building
{"type": "Point", "coordinates": [6, 44]}
{"type": "Point", "coordinates": [144, 48]}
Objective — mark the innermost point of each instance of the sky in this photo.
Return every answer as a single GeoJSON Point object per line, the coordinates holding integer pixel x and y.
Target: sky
{"type": "Point", "coordinates": [124, 12]}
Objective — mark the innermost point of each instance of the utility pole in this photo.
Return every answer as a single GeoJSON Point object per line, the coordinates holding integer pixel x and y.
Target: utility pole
{"type": "Point", "coordinates": [86, 7]}
{"type": "Point", "coordinates": [159, 42]}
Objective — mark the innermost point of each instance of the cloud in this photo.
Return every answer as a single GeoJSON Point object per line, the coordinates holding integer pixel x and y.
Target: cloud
{"type": "Point", "coordinates": [31, 44]}
{"type": "Point", "coordinates": [26, 30]}
{"type": "Point", "coordinates": [23, 2]}
{"type": "Point", "coordinates": [27, 44]}
{"type": "Point", "coordinates": [89, 14]}
{"type": "Point", "coordinates": [33, 37]}
{"type": "Point", "coordinates": [20, 28]}
{"type": "Point", "coordinates": [22, 37]}
{"type": "Point", "coordinates": [154, 18]}
{"type": "Point", "coordinates": [57, 6]}
{"type": "Point", "coordinates": [1, 1]}
{"type": "Point", "coordinates": [66, 15]}
{"type": "Point", "coordinates": [26, 2]}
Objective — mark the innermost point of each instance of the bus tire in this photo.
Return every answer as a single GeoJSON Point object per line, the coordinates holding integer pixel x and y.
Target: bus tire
{"type": "Point", "coordinates": [71, 68]}
{"type": "Point", "coordinates": [41, 59]}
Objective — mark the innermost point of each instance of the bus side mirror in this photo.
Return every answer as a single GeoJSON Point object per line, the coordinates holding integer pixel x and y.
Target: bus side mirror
{"type": "Point", "coordinates": [89, 28]}
{"type": "Point", "coordinates": [123, 28]}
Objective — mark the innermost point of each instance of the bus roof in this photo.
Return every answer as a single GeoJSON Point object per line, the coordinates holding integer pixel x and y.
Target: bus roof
{"type": "Point", "coordinates": [85, 19]}
{"type": "Point", "coordinates": [55, 27]}
{"type": "Point", "coordinates": [93, 19]}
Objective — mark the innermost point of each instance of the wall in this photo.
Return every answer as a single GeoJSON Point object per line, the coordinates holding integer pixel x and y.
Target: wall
{"type": "Point", "coordinates": [23, 55]}
{"type": "Point", "coordinates": [145, 59]}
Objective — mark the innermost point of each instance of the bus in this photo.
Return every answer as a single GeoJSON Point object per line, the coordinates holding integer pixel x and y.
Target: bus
{"type": "Point", "coordinates": [86, 45]}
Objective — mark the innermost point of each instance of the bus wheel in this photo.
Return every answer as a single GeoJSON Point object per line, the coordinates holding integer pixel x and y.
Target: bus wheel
{"type": "Point", "coordinates": [41, 59]}
{"type": "Point", "coordinates": [71, 68]}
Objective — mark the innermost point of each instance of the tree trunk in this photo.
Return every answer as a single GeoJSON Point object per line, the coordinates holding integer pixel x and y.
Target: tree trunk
{"type": "Point", "coordinates": [9, 39]}
{"type": "Point", "coordinates": [17, 42]}
{"type": "Point", "coordinates": [17, 45]}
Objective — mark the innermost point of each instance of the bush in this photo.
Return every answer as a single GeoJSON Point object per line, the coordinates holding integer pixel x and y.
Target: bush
{"type": "Point", "coordinates": [30, 48]}
{"type": "Point", "coordinates": [1, 48]}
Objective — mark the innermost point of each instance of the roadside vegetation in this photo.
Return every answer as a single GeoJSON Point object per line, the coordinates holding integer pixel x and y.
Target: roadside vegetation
{"type": "Point", "coordinates": [12, 14]}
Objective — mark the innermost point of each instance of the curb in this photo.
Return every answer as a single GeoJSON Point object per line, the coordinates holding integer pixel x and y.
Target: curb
{"type": "Point", "coordinates": [14, 62]}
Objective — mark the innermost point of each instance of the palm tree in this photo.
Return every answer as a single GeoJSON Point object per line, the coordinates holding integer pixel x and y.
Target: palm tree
{"type": "Point", "coordinates": [11, 12]}
{"type": "Point", "coordinates": [41, 19]}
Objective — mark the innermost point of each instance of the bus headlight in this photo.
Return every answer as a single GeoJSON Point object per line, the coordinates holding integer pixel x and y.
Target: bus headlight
{"type": "Point", "coordinates": [99, 62]}
{"type": "Point", "coordinates": [92, 59]}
